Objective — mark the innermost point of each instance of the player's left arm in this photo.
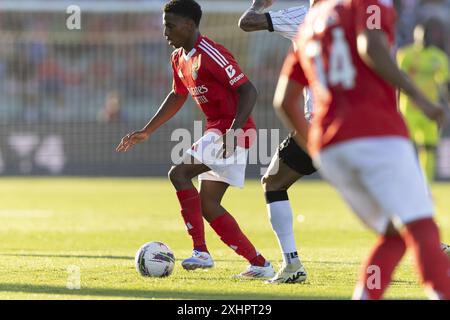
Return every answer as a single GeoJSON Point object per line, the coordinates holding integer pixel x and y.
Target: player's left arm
{"type": "Point", "coordinates": [287, 103]}
{"type": "Point", "coordinates": [231, 77]}
{"type": "Point", "coordinates": [247, 100]}
{"type": "Point", "coordinates": [289, 99]}
{"type": "Point", "coordinates": [254, 18]}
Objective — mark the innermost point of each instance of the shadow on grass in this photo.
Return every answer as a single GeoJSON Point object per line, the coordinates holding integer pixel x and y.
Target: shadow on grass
{"type": "Point", "coordinates": [36, 255]}
{"type": "Point", "coordinates": [404, 282]}
{"type": "Point", "coordinates": [331, 262]}
{"type": "Point", "coordinates": [237, 260]}
{"type": "Point", "coordinates": [104, 293]}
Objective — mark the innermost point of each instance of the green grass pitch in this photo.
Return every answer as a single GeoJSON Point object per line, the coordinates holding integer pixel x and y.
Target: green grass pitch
{"type": "Point", "coordinates": [48, 225]}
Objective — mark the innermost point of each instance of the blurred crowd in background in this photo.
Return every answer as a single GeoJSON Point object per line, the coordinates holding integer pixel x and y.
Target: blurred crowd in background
{"type": "Point", "coordinates": [48, 73]}
{"type": "Point", "coordinates": [411, 12]}
{"type": "Point", "coordinates": [117, 64]}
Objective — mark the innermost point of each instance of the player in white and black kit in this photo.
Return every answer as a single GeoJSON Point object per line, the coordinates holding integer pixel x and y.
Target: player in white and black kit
{"type": "Point", "coordinates": [291, 162]}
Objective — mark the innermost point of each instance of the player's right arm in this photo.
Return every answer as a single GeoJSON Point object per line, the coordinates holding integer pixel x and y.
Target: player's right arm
{"type": "Point", "coordinates": [285, 22]}
{"type": "Point", "coordinates": [173, 102]}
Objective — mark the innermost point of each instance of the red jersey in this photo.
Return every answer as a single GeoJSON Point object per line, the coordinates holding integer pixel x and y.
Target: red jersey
{"type": "Point", "coordinates": [211, 75]}
{"type": "Point", "coordinates": [350, 100]}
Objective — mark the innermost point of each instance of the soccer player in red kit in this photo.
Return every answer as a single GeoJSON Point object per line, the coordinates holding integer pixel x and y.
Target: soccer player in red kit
{"type": "Point", "coordinates": [211, 75]}
{"type": "Point", "coordinates": [359, 140]}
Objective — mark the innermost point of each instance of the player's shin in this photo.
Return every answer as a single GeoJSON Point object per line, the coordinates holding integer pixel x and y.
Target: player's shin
{"type": "Point", "coordinates": [231, 234]}
{"type": "Point", "coordinates": [280, 215]}
{"type": "Point", "coordinates": [376, 272]}
{"type": "Point", "coordinates": [192, 215]}
{"type": "Point", "coordinates": [422, 236]}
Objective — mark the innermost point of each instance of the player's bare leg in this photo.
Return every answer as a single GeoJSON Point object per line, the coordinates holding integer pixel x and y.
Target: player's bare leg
{"type": "Point", "coordinates": [279, 176]}
{"type": "Point", "coordinates": [182, 174]}
{"type": "Point", "coordinates": [226, 227]}
{"type": "Point", "coordinates": [211, 194]}
{"type": "Point", "coordinates": [276, 181]}
{"type": "Point", "coordinates": [181, 177]}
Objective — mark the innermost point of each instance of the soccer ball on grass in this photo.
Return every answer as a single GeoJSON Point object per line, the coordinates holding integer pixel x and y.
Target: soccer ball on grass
{"type": "Point", "coordinates": [154, 259]}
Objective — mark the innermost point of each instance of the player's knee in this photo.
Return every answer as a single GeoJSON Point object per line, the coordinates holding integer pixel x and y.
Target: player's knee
{"type": "Point", "coordinates": [176, 176]}
{"type": "Point", "coordinates": [391, 231]}
{"type": "Point", "coordinates": [172, 174]}
{"type": "Point", "coordinates": [271, 183]}
{"type": "Point", "coordinates": [264, 182]}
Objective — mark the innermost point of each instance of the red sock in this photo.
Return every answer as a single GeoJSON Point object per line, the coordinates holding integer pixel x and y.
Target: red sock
{"type": "Point", "coordinates": [434, 266]}
{"type": "Point", "coordinates": [376, 273]}
{"type": "Point", "coordinates": [192, 214]}
{"type": "Point", "coordinates": [229, 232]}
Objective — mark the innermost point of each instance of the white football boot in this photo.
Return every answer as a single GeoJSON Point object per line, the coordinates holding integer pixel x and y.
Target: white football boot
{"type": "Point", "coordinates": [446, 249]}
{"type": "Point", "coordinates": [199, 260]}
{"type": "Point", "coordinates": [289, 273]}
{"type": "Point", "coordinates": [255, 272]}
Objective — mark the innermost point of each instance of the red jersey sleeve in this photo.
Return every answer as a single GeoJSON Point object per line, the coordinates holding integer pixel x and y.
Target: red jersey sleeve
{"type": "Point", "coordinates": [292, 68]}
{"type": "Point", "coordinates": [177, 85]}
{"type": "Point", "coordinates": [223, 66]}
{"type": "Point", "coordinates": [375, 14]}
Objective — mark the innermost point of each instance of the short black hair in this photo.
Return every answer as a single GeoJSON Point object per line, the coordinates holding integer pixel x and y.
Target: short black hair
{"type": "Point", "coordinates": [185, 8]}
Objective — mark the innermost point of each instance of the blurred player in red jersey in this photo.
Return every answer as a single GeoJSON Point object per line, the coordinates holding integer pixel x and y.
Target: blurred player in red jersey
{"type": "Point", "coordinates": [358, 138]}
{"type": "Point", "coordinates": [211, 75]}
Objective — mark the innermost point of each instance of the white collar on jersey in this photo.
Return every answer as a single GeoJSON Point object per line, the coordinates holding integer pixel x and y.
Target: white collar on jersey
{"type": "Point", "coordinates": [189, 55]}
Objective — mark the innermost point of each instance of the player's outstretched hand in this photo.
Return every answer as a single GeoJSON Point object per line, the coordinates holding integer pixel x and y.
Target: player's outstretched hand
{"type": "Point", "coordinates": [434, 112]}
{"type": "Point", "coordinates": [130, 140]}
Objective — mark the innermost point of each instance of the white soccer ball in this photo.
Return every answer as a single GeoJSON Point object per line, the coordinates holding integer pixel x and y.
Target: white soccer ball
{"type": "Point", "coordinates": [154, 259]}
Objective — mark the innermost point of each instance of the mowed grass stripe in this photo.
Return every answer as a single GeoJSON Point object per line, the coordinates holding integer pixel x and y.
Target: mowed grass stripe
{"type": "Point", "coordinates": [47, 225]}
